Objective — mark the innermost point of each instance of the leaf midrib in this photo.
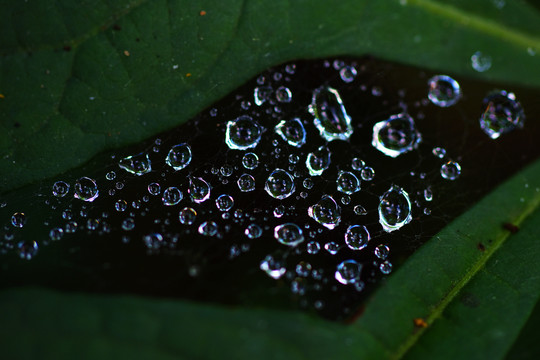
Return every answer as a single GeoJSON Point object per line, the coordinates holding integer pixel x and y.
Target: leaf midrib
{"type": "Point", "coordinates": [437, 310]}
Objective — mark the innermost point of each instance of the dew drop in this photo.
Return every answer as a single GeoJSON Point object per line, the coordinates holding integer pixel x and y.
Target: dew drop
{"type": "Point", "coordinates": [199, 190]}
{"type": "Point", "coordinates": [253, 231]}
{"type": "Point", "coordinates": [331, 247]}
{"type": "Point", "coordinates": [272, 268]}
{"type": "Point", "coordinates": [154, 189]}
{"type": "Point", "coordinates": [153, 240]}
{"type": "Point", "coordinates": [56, 234]}
{"type": "Point", "coordinates": [502, 114]}
{"type": "Point", "coordinates": [331, 118]}
{"type": "Point", "coordinates": [250, 161]}
{"type": "Point", "coordinates": [347, 182]}
{"type": "Point", "coordinates": [318, 161]}
{"type": "Point", "coordinates": [386, 267]}
{"type": "Point", "coordinates": [283, 94]}
{"type": "Point", "coordinates": [359, 210]}
{"type": "Point", "coordinates": [348, 272]}
{"type": "Point", "coordinates": [128, 224]}
{"type": "Point", "coordinates": [137, 164]}
{"type": "Point", "coordinates": [27, 249]}
{"type": "Point", "coordinates": [179, 156]}
{"type": "Point", "coordinates": [71, 226]}
{"type": "Point", "coordinates": [439, 152]}
{"type": "Point", "coordinates": [313, 247]}
{"type": "Point", "coordinates": [246, 183]}
{"type": "Point", "coordinates": [396, 136]}
{"type": "Point", "coordinates": [280, 184]}
{"type": "Point", "coordinates": [262, 94]}
{"type": "Point", "coordinates": [292, 132]}
{"type": "Point", "coordinates": [208, 228]}
{"type": "Point", "coordinates": [357, 164]}
{"type": "Point", "coordinates": [428, 194]}
{"type": "Point", "coordinates": [224, 202]}
{"type": "Point", "coordinates": [480, 62]}
{"type": "Point", "coordinates": [242, 133]}
{"type": "Point", "coordinates": [450, 170]}
{"type": "Point", "coordinates": [326, 212]}
{"type": "Point", "coordinates": [382, 251]}
{"type": "Point", "coordinates": [303, 268]}
{"type": "Point", "coordinates": [171, 196]}
{"type": "Point", "coordinates": [367, 173]}
{"type": "Point", "coordinates": [121, 205]}
{"type": "Point", "coordinates": [18, 220]}
{"type": "Point", "coordinates": [279, 211]}
{"type": "Point", "coordinates": [86, 189]}
{"type": "Point", "coordinates": [348, 73]}
{"type": "Point", "coordinates": [357, 237]}
{"type": "Point", "coordinates": [111, 175]}
{"type": "Point", "coordinates": [308, 183]}
{"type": "Point", "coordinates": [394, 209]}
{"type": "Point", "coordinates": [187, 216]}
{"type": "Point", "coordinates": [288, 234]}
{"type": "Point", "coordinates": [60, 189]}
{"type": "Point", "coordinates": [443, 91]}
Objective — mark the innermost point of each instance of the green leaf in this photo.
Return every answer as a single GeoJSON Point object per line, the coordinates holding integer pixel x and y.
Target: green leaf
{"type": "Point", "coordinates": [77, 79]}
{"type": "Point", "coordinates": [474, 285]}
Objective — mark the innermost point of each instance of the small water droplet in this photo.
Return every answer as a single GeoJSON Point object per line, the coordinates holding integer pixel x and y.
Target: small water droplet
{"type": "Point", "coordinates": [292, 132]}
{"type": "Point", "coordinates": [86, 189]}
{"type": "Point", "coordinates": [171, 196]}
{"type": "Point", "coordinates": [502, 114]}
{"type": "Point", "coordinates": [199, 190]}
{"type": "Point", "coordinates": [348, 73]}
{"type": "Point", "coordinates": [396, 136]}
{"type": "Point", "coordinates": [111, 175]}
{"type": "Point", "coordinates": [179, 156]}
{"type": "Point", "coordinates": [480, 62]}
{"type": "Point", "coordinates": [308, 183]}
{"type": "Point", "coordinates": [331, 247]}
{"type": "Point", "coordinates": [450, 170]}
{"type": "Point", "coordinates": [250, 161]}
{"type": "Point", "coordinates": [137, 164]}
{"type": "Point", "coordinates": [60, 189]}
{"type": "Point", "coordinates": [280, 184]}
{"type": "Point", "coordinates": [283, 94]}
{"type": "Point", "coordinates": [386, 267]}
{"type": "Point", "coordinates": [357, 237]}
{"type": "Point", "coordinates": [27, 249]}
{"type": "Point", "coordinates": [428, 194]}
{"type": "Point", "coordinates": [208, 228]}
{"type": "Point", "coordinates": [56, 234]}
{"type": "Point", "coordinates": [318, 161]}
{"type": "Point", "coordinates": [348, 272]}
{"type": "Point", "coordinates": [313, 247]}
{"type": "Point", "coordinates": [128, 224]}
{"type": "Point", "coordinates": [154, 189]}
{"type": "Point", "coordinates": [347, 182]}
{"type": "Point", "coordinates": [272, 268]}
{"type": "Point", "coordinates": [253, 231]}
{"type": "Point", "coordinates": [246, 183]}
{"type": "Point", "coordinates": [443, 91]}
{"type": "Point", "coordinates": [394, 209]}
{"type": "Point", "coordinates": [331, 118]}
{"type": "Point", "coordinates": [288, 234]}
{"type": "Point", "coordinates": [326, 212]}
{"type": "Point", "coordinates": [357, 164]}
{"type": "Point", "coordinates": [242, 133]}
{"type": "Point", "coordinates": [121, 205]}
{"type": "Point", "coordinates": [303, 268]}
{"type": "Point", "coordinates": [187, 216]}
{"type": "Point", "coordinates": [367, 173]}
{"type": "Point", "coordinates": [345, 199]}
{"type": "Point", "coordinates": [360, 210]}
{"type": "Point", "coordinates": [262, 94]}
{"type": "Point", "coordinates": [439, 152]}
{"type": "Point", "coordinates": [382, 251]}
{"type": "Point", "coordinates": [279, 211]}
{"type": "Point", "coordinates": [71, 226]}
{"type": "Point", "coordinates": [153, 240]}
{"type": "Point", "coordinates": [224, 202]}
{"type": "Point", "coordinates": [18, 219]}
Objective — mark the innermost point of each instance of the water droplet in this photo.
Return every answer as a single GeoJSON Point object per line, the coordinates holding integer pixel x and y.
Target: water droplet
{"type": "Point", "coordinates": [111, 175]}
{"type": "Point", "coordinates": [60, 189]}
{"type": "Point", "coordinates": [357, 164]}
{"type": "Point", "coordinates": [18, 219]}
{"type": "Point", "coordinates": [443, 91]}
{"type": "Point", "coordinates": [92, 224]}
{"type": "Point", "coordinates": [27, 249]}
{"type": "Point", "coordinates": [121, 205]}
{"type": "Point", "coordinates": [137, 164]}
{"type": "Point", "coordinates": [253, 231]}
{"type": "Point", "coordinates": [396, 136]}
{"type": "Point", "coordinates": [208, 228]}
{"type": "Point", "coordinates": [187, 216]}
{"type": "Point", "coordinates": [347, 182]}
{"type": "Point", "coordinates": [428, 194]}
{"type": "Point", "coordinates": [367, 173]}
{"type": "Point", "coordinates": [71, 226]}
{"type": "Point", "coordinates": [480, 62]}
{"type": "Point", "coordinates": [348, 73]}
{"type": "Point", "coordinates": [154, 189]}
{"type": "Point", "coordinates": [394, 209]}
{"type": "Point", "coordinates": [283, 94]}
{"type": "Point", "coordinates": [242, 133]}
{"type": "Point", "coordinates": [318, 161]}
{"type": "Point", "coordinates": [326, 212]}
{"type": "Point", "coordinates": [360, 210]}
{"type": "Point", "coordinates": [450, 170]}
{"type": "Point", "coordinates": [279, 211]}
{"type": "Point", "coordinates": [56, 234]}
{"type": "Point", "coordinates": [331, 247]}
{"type": "Point", "coordinates": [502, 114]}
{"type": "Point", "coordinates": [246, 183]}
{"type": "Point", "coordinates": [386, 267]}
{"type": "Point", "coordinates": [292, 132]}
{"type": "Point", "coordinates": [199, 189]}
{"type": "Point", "coordinates": [348, 272]}
{"type": "Point", "coordinates": [280, 184]}
{"type": "Point", "coordinates": [303, 268]}
{"type": "Point", "coordinates": [439, 152]}
{"type": "Point", "coordinates": [179, 156]}
{"type": "Point", "coordinates": [345, 199]}
{"type": "Point", "coordinates": [153, 240]}
{"type": "Point", "coordinates": [226, 170]}
{"type": "Point", "coordinates": [224, 202]}
{"type": "Point", "coordinates": [272, 268]}
{"type": "Point", "coordinates": [171, 196]}
{"type": "Point", "coordinates": [331, 118]}
{"type": "Point", "coordinates": [262, 94]}
{"type": "Point", "coordinates": [288, 234]}
{"type": "Point", "coordinates": [290, 68]}
{"type": "Point", "coordinates": [357, 237]}
{"type": "Point", "coordinates": [313, 247]}
{"type": "Point", "coordinates": [86, 189]}
{"type": "Point", "coordinates": [308, 183]}
{"type": "Point", "coordinates": [382, 251]}
{"type": "Point", "coordinates": [250, 161]}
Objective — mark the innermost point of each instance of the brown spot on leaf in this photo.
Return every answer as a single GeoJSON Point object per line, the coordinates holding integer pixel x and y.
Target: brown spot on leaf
{"type": "Point", "coordinates": [511, 227]}
{"type": "Point", "coordinates": [420, 323]}
{"type": "Point", "coordinates": [67, 48]}
{"type": "Point", "coordinates": [481, 246]}
{"type": "Point", "coordinates": [202, 13]}
{"type": "Point", "coordinates": [117, 27]}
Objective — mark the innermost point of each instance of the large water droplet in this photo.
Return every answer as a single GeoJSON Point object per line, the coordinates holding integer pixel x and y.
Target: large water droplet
{"type": "Point", "coordinates": [443, 91]}
{"type": "Point", "coordinates": [280, 184]}
{"type": "Point", "coordinates": [502, 114]}
{"type": "Point", "coordinates": [288, 234]}
{"type": "Point", "coordinates": [318, 161]}
{"type": "Point", "coordinates": [86, 189]}
{"type": "Point", "coordinates": [137, 164]}
{"type": "Point", "coordinates": [224, 202]}
{"type": "Point", "coordinates": [179, 156]}
{"type": "Point", "coordinates": [348, 272]}
{"type": "Point", "coordinates": [331, 118]}
{"type": "Point", "coordinates": [187, 216]}
{"type": "Point", "coordinates": [450, 170]}
{"type": "Point", "coordinates": [60, 189]}
{"type": "Point", "coordinates": [394, 209]}
{"type": "Point", "coordinates": [18, 219]}
{"type": "Point", "coordinates": [242, 133]}
{"type": "Point", "coordinates": [292, 131]}
{"type": "Point", "coordinates": [272, 268]}
{"type": "Point", "coordinates": [199, 189]}
{"type": "Point", "coordinates": [326, 212]}
{"type": "Point", "coordinates": [357, 237]}
{"type": "Point", "coordinates": [396, 136]}
{"type": "Point", "coordinates": [246, 183]}
{"type": "Point", "coordinates": [172, 196]}
{"type": "Point", "coordinates": [347, 182]}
